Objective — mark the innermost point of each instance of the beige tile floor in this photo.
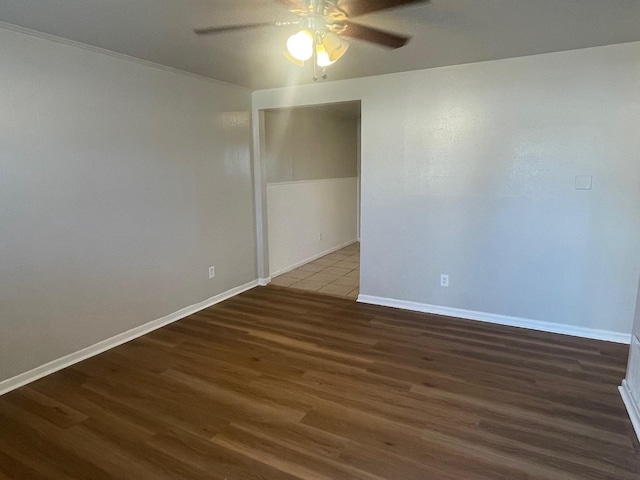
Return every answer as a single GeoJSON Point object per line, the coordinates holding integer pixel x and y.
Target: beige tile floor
{"type": "Point", "coordinates": [335, 274]}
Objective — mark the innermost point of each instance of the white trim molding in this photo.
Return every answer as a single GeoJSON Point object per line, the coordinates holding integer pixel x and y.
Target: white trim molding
{"type": "Point", "coordinates": [550, 327]}
{"type": "Point", "coordinates": [632, 407]}
{"type": "Point", "coordinates": [311, 259]}
{"type": "Point", "coordinates": [263, 282]}
{"type": "Point", "coordinates": [317, 180]}
{"type": "Point", "coordinates": [88, 352]}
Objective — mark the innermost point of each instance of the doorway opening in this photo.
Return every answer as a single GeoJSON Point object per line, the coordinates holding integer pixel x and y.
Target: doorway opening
{"type": "Point", "coordinates": [312, 158]}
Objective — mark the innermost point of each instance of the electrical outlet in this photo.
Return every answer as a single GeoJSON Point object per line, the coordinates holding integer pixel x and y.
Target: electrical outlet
{"type": "Point", "coordinates": [444, 280]}
{"type": "Point", "coordinates": [212, 272]}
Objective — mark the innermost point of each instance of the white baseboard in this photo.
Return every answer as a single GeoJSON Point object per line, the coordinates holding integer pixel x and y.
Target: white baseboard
{"type": "Point", "coordinates": [311, 259]}
{"type": "Point", "coordinates": [632, 406]}
{"type": "Point", "coordinates": [564, 329]}
{"type": "Point", "coordinates": [68, 360]}
{"type": "Point", "coordinates": [263, 282]}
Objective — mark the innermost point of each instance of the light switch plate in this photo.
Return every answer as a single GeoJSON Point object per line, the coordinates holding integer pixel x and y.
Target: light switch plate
{"type": "Point", "coordinates": [584, 182]}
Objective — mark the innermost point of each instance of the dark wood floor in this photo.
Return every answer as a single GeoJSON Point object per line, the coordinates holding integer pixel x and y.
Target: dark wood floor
{"type": "Point", "coordinates": [280, 384]}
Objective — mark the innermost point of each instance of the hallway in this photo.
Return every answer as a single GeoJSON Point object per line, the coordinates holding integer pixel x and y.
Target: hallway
{"type": "Point", "coordinates": [335, 274]}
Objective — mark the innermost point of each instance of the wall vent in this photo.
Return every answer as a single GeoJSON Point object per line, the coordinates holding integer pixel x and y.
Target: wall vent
{"type": "Point", "coordinates": [633, 376]}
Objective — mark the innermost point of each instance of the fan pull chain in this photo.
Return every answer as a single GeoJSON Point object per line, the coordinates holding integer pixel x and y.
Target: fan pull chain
{"type": "Point", "coordinates": [315, 63]}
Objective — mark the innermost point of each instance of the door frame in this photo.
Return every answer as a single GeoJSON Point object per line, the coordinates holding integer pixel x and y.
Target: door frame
{"type": "Point", "coordinates": [274, 100]}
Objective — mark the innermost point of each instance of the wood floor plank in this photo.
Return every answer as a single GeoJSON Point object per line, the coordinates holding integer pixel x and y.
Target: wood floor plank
{"type": "Point", "coordinates": [215, 461]}
{"type": "Point", "coordinates": [285, 457]}
{"type": "Point", "coordinates": [282, 384]}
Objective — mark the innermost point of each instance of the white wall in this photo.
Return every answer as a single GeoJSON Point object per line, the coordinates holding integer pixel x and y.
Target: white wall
{"type": "Point", "coordinates": [630, 388]}
{"type": "Point", "coordinates": [309, 144]}
{"type": "Point", "coordinates": [469, 170]}
{"type": "Point", "coordinates": [636, 321]}
{"type": "Point", "coordinates": [309, 218]}
{"type": "Point", "coordinates": [120, 184]}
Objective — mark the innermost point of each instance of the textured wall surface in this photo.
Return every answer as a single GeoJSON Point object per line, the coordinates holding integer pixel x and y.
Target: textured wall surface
{"type": "Point", "coordinates": [471, 171]}
{"type": "Point", "coordinates": [120, 184]}
{"type": "Point", "coordinates": [636, 321]}
{"type": "Point", "coordinates": [309, 144]}
{"type": "Point", "coordinates": [309, 218]}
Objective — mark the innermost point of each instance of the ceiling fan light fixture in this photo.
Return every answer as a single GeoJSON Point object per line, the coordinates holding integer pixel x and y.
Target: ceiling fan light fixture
{"type": "Point", "coordinates": [335, 46]}
{"type": "Point", "coordinates": [323, 25]}
{"type": "Point", "coordinates": [292, 59]}
{"type": "Point", "coordinates": [322, 56]}
{"type": "Point", "coordinates": [300, 45]}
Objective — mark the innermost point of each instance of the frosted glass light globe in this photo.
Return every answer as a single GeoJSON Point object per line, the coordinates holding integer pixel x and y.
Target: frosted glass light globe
{"type": "Point", "coordinates": [300, 45]}
{"type": "Point", "coordinates": [322, 56]}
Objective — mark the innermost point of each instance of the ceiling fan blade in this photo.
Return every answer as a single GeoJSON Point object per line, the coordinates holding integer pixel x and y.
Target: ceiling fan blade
{"type": "Point", "coordinates": [231, 28]}
{"type": "Point", "coordinates": [295, 6]}
{"type": "Point", "coordinates": [373, 35]}
{"type": "Point", "coordinates": [354, 8]}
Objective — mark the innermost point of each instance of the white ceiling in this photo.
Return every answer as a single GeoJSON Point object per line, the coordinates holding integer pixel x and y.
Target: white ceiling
{"type": "Point", "coordinates": [446, 32]}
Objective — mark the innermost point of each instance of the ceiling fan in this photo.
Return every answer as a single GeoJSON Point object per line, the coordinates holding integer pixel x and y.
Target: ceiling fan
{"type": "Point", "coordinates": [324, 26]}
